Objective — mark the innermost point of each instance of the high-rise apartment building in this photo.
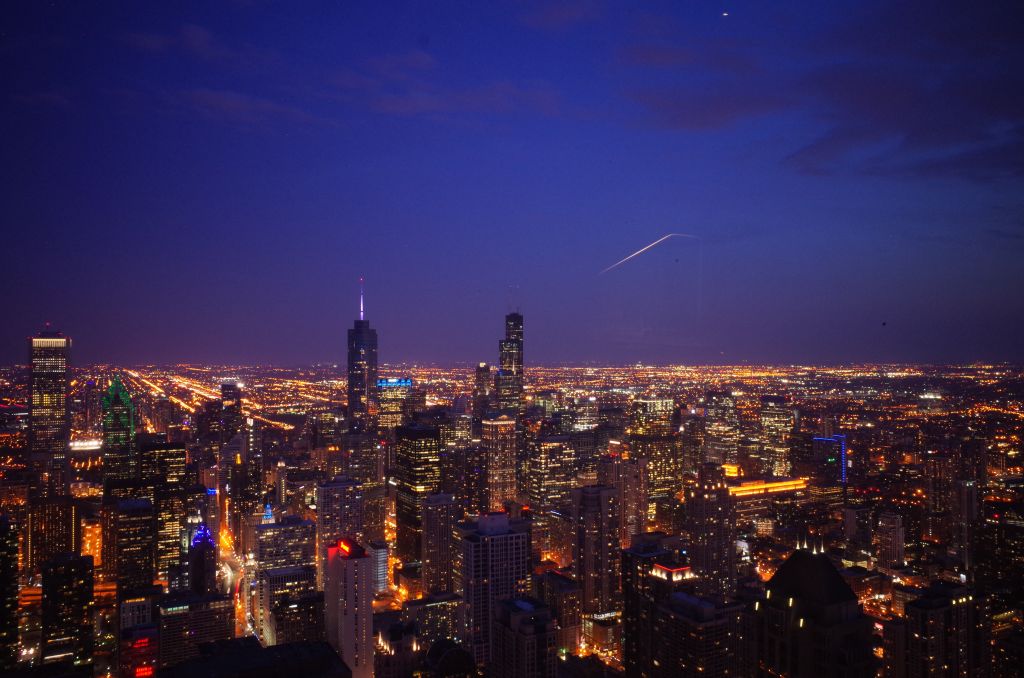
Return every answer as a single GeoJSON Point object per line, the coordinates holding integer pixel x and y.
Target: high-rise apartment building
{"type": "Point", "coordinates": [596, 551]}
{"type": "Point", "coordinates": [651, 572]}
{"type": "Point", "coordinates": [711, 525]}
{"type": "Point", "coordinates": [652, 437]}
{"type": "Point", "coordinates": [721, 428]}
{"type": "Point", "coordinates": [944, 632]}
{"type": "Point", "coordinates": [339, 513]}
{"type": "Point", "coordinates": [348, 606]}
{"type": "Point", "coordinates": [498, 437]}
{"type": "Point", "coordinates": [891, 541]}
{"type": "Point", "coordinates": [524, 640]}
{"type": "Point", "coordinates": [493, 565]}
{"type": "Point", "coordinates": [440, 515]}
{"type": "Point", "coordinates": [629, 477]}
{"type": "Point", "coordinates": [776, 428]}
{"type": "Point", "coordinates": [550, 475]}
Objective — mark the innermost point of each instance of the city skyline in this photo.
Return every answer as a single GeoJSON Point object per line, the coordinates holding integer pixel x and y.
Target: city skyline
{"type": "Point", "coordinates": [849, 176]}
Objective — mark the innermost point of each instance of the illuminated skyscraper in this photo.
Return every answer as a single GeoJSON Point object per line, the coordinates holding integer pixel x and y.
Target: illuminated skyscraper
{"type": "Point", "coordinates": [652, 437]}
{"type": "Point", "coordinates": [348, 606]}
{"type": "Point", "coordinates": [119, 462]}
{"type": "Point", "coordinates": [721, 428]}
{"type": "Point", "coordinates": [417, 476]}
{"type": "Point", "coordinates": [550, 475]}
{"type": "Point", "coordinates": [67, 609]}
{"type": "Point", "coordinates": [339, 513]}
{"type": "Point", "coordinates": [509, 380]}
{"type": "Point", "coordinates": [776, 427]}
{"type": "Point", "coordinates": [944, 633]}
{"type": "Point", "coordinates": [711, 524]}
{"type": "Point", "coordinates": [440, 513]}
{"type": "Point", "coordinates": [289, 542]}
{"type": "Point", "coordinates": [629, 477]}
{"type": "Point", "coordinates": [596, 551]}
{"type": "Point", "coordinates": [362, 369]}
{"type": "Point", "coordinates": [493, 565]}
{"type": "Point", "coordinates": [499, 441]}
{"type": "Point", "coordinates": [49, 427]}
{"type": "Point", "coordinates": [891, 541]}
{"type": "Point", "coordinates": [54, 526]}
{"type": "Point", "coordinates": [392, 394]}
{"type": "Point", "coordinates": [232, 419]}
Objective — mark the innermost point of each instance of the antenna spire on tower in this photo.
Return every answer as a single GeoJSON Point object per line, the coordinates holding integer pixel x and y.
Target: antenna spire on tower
{"type": "Point", "coordinates": [361, 298]}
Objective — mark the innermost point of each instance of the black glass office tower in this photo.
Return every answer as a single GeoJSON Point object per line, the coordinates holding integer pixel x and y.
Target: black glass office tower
{"type": "Point", "coordinates": [509, 380]}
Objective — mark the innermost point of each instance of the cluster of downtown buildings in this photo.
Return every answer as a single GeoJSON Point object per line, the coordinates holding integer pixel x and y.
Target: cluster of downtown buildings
{"type": "Point", "coordinates": [171, 522]}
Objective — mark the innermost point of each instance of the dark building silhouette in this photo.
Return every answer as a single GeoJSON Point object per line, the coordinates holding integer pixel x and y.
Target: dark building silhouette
{"type": "Point", "coordinates": [8, 594]}
{"type": "Point", "coordinates": [129, 543]}
{"type": "Point", "coordinates": [245, 658]}
{"type": "Point", "coordinates": [810, 624]}
{"type": "Point", "coordinates": [67, 609]}
{"type": "Point", "coordinates": [523, 640]}
{"type": "Point", "coordinates": [440, 514]}
{"type": "Point", "coordinates": [187, 621]}
{"type": "Point", "coordinates": [202, 562]}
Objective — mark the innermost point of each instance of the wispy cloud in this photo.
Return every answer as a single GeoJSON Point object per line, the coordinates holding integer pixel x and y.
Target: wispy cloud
{"type": "Point", "coordinates": [561, 14]}
{"type": "Point", "coordinates": [243, 108]}
{"type": "Point", "coordinates": [199, 42]}
{"type": "Point", "coordinates": [411, 84]}
{"type": "Point", "coordinates": [909, 88]}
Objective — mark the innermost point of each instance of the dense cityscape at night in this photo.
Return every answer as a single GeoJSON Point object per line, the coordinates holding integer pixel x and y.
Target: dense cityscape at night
{"type": "Point", "coordinates": [535, 339]}
{"type": "Point", "coordinates": [379, 519]}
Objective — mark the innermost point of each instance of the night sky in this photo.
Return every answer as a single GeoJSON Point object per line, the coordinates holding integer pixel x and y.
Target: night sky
{"type": "Point", "coordinates": [209, 184]}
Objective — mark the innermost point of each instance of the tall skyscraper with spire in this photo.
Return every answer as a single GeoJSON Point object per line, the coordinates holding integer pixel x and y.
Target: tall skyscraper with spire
{"type": "Point", "coordinates": [362, 368]}
{"type": "Point", "coordinates": [509, 380]}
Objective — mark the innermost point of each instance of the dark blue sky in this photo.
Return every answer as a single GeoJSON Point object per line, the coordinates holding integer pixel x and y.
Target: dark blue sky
{"type": "Point", "coordinates": [208, 185]}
